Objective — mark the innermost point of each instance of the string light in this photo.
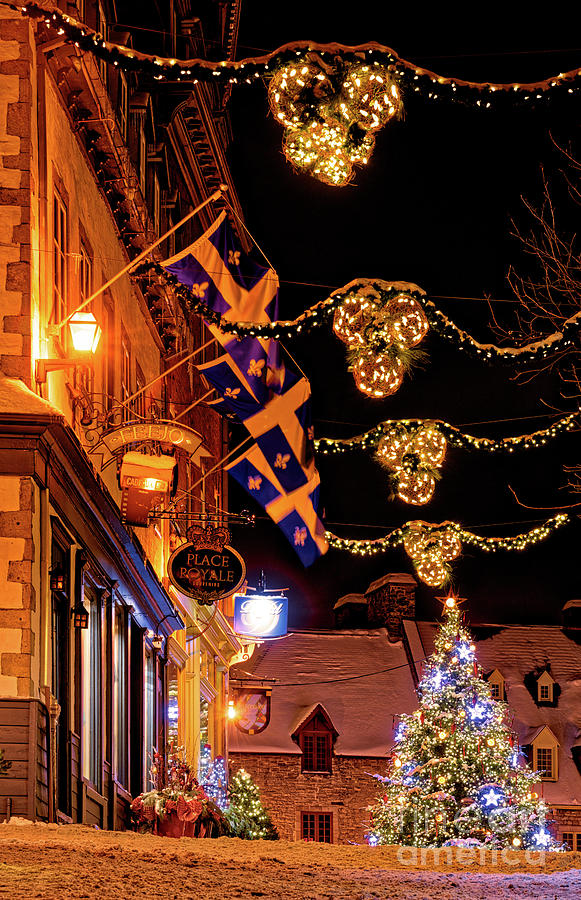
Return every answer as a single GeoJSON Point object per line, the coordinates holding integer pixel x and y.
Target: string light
{"type": "Point", "coordinates": [246, 71]}
{"type": "Point", "coordinates": [317, 315]}
{"type": "Point", "coordinates": [433, 547]}
{"type": "Point", "coordinates": [396, 430]}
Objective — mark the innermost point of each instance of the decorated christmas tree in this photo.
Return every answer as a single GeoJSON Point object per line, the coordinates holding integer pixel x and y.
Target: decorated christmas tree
{"type": "Point", "coordinates": [457, 775]}
{"type": "Point", "coordinates": [216, 783]}
{"type": "Point", "coordinates": [246, 814]}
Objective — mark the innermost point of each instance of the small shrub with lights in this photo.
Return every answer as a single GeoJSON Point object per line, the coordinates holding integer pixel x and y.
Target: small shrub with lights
{"type": "Point", "coordinates": [247, 817]}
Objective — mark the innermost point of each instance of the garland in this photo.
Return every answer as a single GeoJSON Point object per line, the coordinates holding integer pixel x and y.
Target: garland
{"type": "Point", "coordinates": [377, 336]}
{"type": "Point", "coordinates": [415, 78]}
{"type": "Point", "coordinates": [432, 548]}
{"type": "Point", "coordinates": [454, 436]}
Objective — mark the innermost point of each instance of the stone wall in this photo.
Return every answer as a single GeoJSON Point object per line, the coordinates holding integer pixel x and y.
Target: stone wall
{"type": "Point", "coordinates": [389, 603]}
{"type": "Point", "coordinates": [16, 112]}
{"type": "Point", "coordinates": [286, 792]}
{"type": "Point", "coordinates": [18, 596]}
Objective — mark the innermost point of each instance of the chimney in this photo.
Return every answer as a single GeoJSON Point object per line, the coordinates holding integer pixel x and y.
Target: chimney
{"type": "Point", "coordinates": [571, 614]}
{"type": "Point", "coordinates": [389, 600]}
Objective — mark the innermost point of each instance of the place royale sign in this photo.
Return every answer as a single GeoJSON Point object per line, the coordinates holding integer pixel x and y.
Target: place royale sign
{"type": "Point", "coordinates": [206, 568]}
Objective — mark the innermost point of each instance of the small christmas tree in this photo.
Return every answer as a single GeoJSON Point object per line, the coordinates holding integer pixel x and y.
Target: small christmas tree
{"type": "Point", "coordinates": [216, 784]}
{"type": "Point", "coordinates": [246, 814]}
{"type": "Point", "coordinates": [455, 776]}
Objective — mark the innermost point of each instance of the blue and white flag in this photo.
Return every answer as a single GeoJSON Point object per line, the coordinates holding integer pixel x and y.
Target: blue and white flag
{"type": "Point", "coordinates": [279, 470]}
{"type": "Point", "coordinates": [229, 282]}
{"type": "Point", "coordinates": [253, 384]}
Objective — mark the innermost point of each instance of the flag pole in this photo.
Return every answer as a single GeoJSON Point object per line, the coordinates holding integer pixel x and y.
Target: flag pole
{"type": "Point", "coordinates": [215, 196]}
{"type": "Point", "coordinates": [209, 472]}
{"type": "Point", "coordinates": [168, 372]}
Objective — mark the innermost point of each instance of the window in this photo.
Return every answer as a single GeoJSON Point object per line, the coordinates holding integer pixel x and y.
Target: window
{"type": "Point", "coordinates": [85, 290]}
{"type": "Point", "coordinates": [315, 742]}
{"type": "Point", "coordinates": [544, 692]}
{"type": "Point", "coordinates": [120, 695]}
{"type": "Point", "coordinates": [125, 370]}
{"type": "Point", "coordinates": [92, 691]}
{"type": "Point", "coordinates": [156, 205]}
{"type": "Point", "coordinates": [60, 247]}
{"type": "Point", "coordinates": [495, 690]}
{"type": "Point", "coordinates": [317, 827]}
{"type": "Point", "coordinates": [142, 160]}
{"type": "Point", "coordinates": [544, 761]}
{"type": "Point", "coordinates": [150, 742]}
{"type": "Point", "coordinates": [122, 105]}
{"type": "Point", "coordinates": [102, 29]}
{"type": "Point", "coordinates": [572, 839]}
{"type": "Point", "coordinates": [140, 401]}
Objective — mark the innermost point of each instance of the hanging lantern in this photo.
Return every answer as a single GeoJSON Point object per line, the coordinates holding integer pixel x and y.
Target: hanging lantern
{"type": "Point", "coordinates": [58, 579]}
{"type": "Point", "coordinates": [80, 616]}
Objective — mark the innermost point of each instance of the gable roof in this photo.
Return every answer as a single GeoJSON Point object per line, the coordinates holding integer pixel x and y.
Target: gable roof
{"type": "Point", "coordinates": [316, 710]}
{"type": "Point", "coordinates": [361, 679]}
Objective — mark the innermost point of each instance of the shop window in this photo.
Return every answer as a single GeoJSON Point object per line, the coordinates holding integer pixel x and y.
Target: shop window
{"type": "Point", "coordinates": [317, 827]}
{"type": "Point", "coordinates": [173, 710]}
{"type": "Point", "coordinates": [93, 691]}
{"type": "Point", "coordinates": [572, 839]}
{"type": "Point", "coordinates": [121, 697]}
{"type": "Point", "coordinates": [60, 249]}
{"type": "Point", "coordinates": [150, 724]}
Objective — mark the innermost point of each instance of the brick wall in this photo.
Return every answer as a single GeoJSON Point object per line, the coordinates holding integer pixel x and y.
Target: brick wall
{"type": "Point", "coordinates": [566, 819]}
{"type": "Point", "coordinates": [17, 597]}
{"type": "Point", "coordinates": [286, 792]}
{"type": "Point", "coordinates": [16, 84]}
{"type": "Point", "coordinates": [388, 605]}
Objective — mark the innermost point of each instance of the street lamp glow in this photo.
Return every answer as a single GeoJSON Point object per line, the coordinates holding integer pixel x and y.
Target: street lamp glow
{"type": "Point", "coordinates": [85, 332]}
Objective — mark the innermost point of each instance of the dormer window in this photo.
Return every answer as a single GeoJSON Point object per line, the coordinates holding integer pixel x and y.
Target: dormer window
{"type": "Point", "coordinates": [316, 736]}
{"type": "Point", "coordinates": [545, 754]}
{"type": "Point", "coordinates": [496, 682]}
{"type": "Point", "coordinates": [545, 686]}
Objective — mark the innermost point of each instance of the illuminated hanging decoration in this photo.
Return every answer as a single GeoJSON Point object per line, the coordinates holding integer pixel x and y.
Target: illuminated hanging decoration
{"type": "Point", "coordinates": [397, 428]}
{"type": "Point", "coordinates": [413, 458]}
{"type": "Point", "coordinates": [433, 547]}
{"type": "Point", "coordinates": [431, 551]}
{"type": "Point", "coordinates": [380, 335]}
{"type": "Point", "coordinates": [431, 85]}
{"type": "Point", "coordinates": [329, 111]}
{"type": "Point", "coordinates": [534, 352]}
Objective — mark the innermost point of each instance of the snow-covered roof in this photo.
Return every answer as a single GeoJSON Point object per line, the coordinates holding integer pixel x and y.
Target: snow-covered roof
{"type": "Point", "coordinates": [360, 677]}
{"type": "Point", "coordinates": [350, 598]}
{"type": "Point", "coordinates": [392, 578]}
{"type": "Point", "coordinates": [516, 651]}
{"type": "Point", "coordinates": [17, 398]}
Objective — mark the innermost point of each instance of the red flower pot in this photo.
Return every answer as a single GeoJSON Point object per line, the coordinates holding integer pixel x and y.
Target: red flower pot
{"type": "Point", "coordinates": [171, 826]}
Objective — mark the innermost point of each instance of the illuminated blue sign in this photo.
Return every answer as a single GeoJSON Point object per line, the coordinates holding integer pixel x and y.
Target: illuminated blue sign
{"type": "Point", "coordinates": [261, 616]}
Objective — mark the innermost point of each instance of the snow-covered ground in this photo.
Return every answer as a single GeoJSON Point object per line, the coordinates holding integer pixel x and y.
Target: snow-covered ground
{"type": "Point", "coordinates": [75, 861]}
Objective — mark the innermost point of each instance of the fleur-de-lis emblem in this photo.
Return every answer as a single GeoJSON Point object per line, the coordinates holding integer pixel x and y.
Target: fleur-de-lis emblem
{"type": "Point", "coordinates": [281, 460]}
{"type": "Point", "coordinates": [199, 290]}
{"type": "Point", "coordinates": [231, 392]}
{"type": "Point", "coordinates": [255, 367]}
{"type": "Point", "coordinates": [311, 432]}
{"type": "Point", "coordinates": [234, 257]}
{"type": "Point", "coordinates": [254, 483]}
{"type": "Point", "coordinates": [300, 536]}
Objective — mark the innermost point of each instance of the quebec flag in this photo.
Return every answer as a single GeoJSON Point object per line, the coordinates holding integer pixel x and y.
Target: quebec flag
{"type": "Point", "coordinates": [279, 470]}
{"type": "Point", "coordinates": [253, 383]}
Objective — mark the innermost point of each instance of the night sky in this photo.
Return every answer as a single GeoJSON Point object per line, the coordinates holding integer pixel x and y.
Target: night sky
{"type": "Point", "coordinates": [434, 207]}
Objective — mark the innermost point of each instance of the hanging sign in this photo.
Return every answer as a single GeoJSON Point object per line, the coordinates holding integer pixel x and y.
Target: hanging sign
{"type": "Point", "coordinates": [252, 710]}
{"type": "Point", "coordinates": [145, 481]}
{"type": "Point", "coordinates": [261, 616]}
{"type": "Point", "coordinates": [206, 568]}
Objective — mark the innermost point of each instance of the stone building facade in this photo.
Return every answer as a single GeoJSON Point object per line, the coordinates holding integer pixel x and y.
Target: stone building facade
{"type": "Point", "coordinates": [94, 166]}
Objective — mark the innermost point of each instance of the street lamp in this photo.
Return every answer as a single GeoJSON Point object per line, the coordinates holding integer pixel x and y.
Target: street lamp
{"type": "Point", "coordinates": [85, 334]}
